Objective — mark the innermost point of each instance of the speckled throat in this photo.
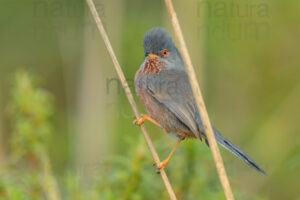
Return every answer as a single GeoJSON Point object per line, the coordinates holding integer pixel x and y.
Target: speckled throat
{"type": "Point", "coordinates": [153, 65]}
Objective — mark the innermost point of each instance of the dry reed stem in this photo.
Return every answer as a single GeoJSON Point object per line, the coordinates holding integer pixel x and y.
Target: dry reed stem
{"type": "Point", "coordinates": [48, 182]}
{"type": "Point", "coordinates": [130, 96]}
{"type": "Point", "coordinates": [200, 102]}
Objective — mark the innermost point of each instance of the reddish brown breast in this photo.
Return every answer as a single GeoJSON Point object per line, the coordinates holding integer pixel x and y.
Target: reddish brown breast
{"type": "Point", "coordinates": [151, 66]}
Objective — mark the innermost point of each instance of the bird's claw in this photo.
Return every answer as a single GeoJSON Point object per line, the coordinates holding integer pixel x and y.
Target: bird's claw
{"type": "Point", "coordinates": [162, 165]}
{"type": "Point", "coordinates": [134, 122]}
{"type": "Point", "coordinates": [157, 170]}
{"type": "Point", "coordinates": [138, 121]}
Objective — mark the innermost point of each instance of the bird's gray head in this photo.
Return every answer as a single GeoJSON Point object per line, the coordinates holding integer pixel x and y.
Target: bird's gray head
{"type": "Point", "coordinates": [158, 43]}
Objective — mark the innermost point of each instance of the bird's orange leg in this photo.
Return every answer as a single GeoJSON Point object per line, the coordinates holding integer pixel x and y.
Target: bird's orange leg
{"type": "Point", "coordinates": [145, 118]}
{"type": "Point", "coordinates": [164, 163]}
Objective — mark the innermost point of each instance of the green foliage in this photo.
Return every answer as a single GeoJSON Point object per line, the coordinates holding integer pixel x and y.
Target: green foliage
{"type": "Point", "coordinates": [31, 111]}
{"type": "Point", "coordinates": [26, 174]}
{"type": "Point", "coordinates": [17, 185]}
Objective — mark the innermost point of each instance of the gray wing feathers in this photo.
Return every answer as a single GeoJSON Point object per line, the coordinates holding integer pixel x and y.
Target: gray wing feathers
{"type": "Point", "coordinates": [172, 89]}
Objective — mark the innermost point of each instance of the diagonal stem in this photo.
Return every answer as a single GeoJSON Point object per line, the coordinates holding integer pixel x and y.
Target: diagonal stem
{"type": "Point", "coordinates": [200, 102]}
{"type": "Point", "coordinates": [129, 96]}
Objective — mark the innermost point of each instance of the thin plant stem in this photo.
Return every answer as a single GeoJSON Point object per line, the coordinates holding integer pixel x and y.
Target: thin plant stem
{"type": "Point", "coordinates": [49, 183]}
{"type": "Point", "coordinates": [129, 96]}
{"type": "Point", "coordinates": [200, 102]}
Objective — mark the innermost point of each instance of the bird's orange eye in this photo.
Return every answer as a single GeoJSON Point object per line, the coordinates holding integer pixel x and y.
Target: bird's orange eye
{"type": "Point", "coordinates": [164, 52]}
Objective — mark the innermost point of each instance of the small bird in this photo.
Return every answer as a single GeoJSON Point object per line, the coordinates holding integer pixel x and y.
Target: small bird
{"type": "Point", "coordinates": [164, 90]}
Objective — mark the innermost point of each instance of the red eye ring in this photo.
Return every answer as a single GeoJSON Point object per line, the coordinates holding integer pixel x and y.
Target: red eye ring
{"type": "Point", "coordinates": [164, 52]}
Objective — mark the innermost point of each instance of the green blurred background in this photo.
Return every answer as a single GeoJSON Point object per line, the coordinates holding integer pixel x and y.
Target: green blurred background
{"type": "Point", "coordinates": [65, 122]}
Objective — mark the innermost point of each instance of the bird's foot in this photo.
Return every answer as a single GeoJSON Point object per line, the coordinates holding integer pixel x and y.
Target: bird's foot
{"type": "Point", "coordinates": [139, 121]}
{"type": "Point", "coordinates": [162, 165]}
{"type": "Point", "coordinates": [145, 118]}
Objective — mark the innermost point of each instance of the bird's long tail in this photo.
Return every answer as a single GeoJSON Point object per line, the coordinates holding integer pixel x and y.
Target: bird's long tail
{"type": "Point", "coordinates": [235, 150]}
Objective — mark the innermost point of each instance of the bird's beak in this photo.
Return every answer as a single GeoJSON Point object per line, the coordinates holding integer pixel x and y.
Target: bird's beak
{"type": "Point", "coordinates": [152, 56]}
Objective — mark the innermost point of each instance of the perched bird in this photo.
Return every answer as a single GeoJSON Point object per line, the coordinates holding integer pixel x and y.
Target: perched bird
{"type": "Point", "coordinates": [164, 89]}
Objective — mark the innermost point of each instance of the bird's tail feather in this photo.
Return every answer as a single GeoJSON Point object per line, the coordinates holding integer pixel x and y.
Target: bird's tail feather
{"type": "Point", "coordinates": [236, 151]}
